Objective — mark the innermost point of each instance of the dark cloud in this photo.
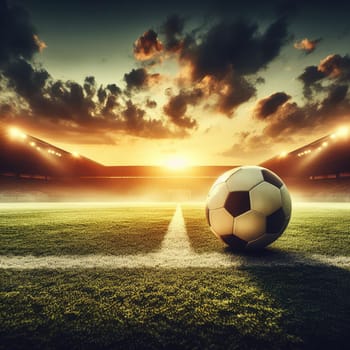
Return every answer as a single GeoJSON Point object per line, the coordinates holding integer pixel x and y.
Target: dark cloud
{"type": "Point", "coordinates": [80, 105]}
{"type": "Point", "coordinates": [172, 29]}
{"type": "Point", "coordinates": [269, 105]}
{"type": "Point", "coordinates": [222, 61]}
{"type": "Point", "coordinates": [18, 37]}
{"type": "Point", "coordinates": [151, 103]}
{"type": "Point", "coordinates": [138, 79]}
{"type": "Point", "coordinates": [101, 94]}
{"type": "Point", "coordinates": [307, 45]}
{"type": "Point", "coordinates": [336, 67]}
{"type": "Point", "coordinates": [238, 46]}
{"type": "Point", "coordinates": [90, 85]}
{"type": "Point", "coordinates": [136, 123]}
{"type": "Point", "coordinates": [332, 68]}
{"type": "Point", "coordinates": [227, 54]}
{"type": "Point", "coordinates": [108, 110]}
{"type": "Point", "coordinates": [222, 58]}
{"type": "Point", "coordinates": [133, 115]}
{"type": "Point", "coordinates": [68, 107]}
{"type": "Point", "coordinates": [176, 107]}
{"type": "Point", "coordinates": [291, 119]}
{"type": "Point", "coordinates": [236, 90]}
{"type": "Point", "coordinates": [290, 122]}
{"type": "Point", "coordinates": [147, 46]}
{"type": "Point", "coordinates": [111, 90]}
{"type": "Point", "coordinates": [284, 119]}
{"type": "Point", "coordinates": [25, 80]}
{"type": "Point", "coordinates": [310, 79]}
{"type": "Point", "coordinates": [114, 89]}
{"type": "Point", "coordinates": [336, 95]}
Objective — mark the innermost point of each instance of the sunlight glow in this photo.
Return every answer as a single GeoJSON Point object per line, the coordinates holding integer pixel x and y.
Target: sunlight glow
{"type": "Point", "coordinates": [176, 163]}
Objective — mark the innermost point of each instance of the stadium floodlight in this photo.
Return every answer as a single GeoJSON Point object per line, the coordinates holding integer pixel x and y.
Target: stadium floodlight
{"type": "Point", "coordinates": [325, 144]}
{"type": "Point", "coordinates": [17, 134]}
{"type": "Point", "coordinates": [283, 154]}
{"type": "Point", "coordinates": [343, 131]}
{"type": "Point", "coordinates": [33, 144]}
{"type": "Point", "coordinates": [75, 154]}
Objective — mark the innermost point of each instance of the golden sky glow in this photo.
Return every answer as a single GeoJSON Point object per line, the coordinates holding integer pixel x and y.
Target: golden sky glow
{"type": "Point", "coordinates": [172, 85]}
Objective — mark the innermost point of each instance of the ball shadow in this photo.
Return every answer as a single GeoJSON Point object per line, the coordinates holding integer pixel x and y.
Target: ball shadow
{"type": "Point", "coordinates": [313, 295]}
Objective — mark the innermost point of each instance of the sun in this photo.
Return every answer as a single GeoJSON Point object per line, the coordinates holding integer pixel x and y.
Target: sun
{"type": "Point", "coordinates": [176, 163]}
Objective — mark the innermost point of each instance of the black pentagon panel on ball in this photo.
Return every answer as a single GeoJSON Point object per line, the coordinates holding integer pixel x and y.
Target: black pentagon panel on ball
{"type": "Point", "coordinates": [207, 214]}
{"type": "Point", "coordinates": [234, 242]}
{"type": "Point", "coordinates": [276, 222]}
{"type": "Point", "coordinates": [237, 203]}
{"type": "Point", "coordinates": [271, 178]}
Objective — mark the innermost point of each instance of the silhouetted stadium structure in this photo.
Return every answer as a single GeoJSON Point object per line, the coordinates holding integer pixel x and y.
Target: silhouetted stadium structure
{"type": "Point", "coordinates": [23, 155]}
{"type": "Point", "coordinates": [319, 170]}
{"type": "Point", "coordinates": [325, 158]}
{"type": "Point", "coordinates": [32, 169]}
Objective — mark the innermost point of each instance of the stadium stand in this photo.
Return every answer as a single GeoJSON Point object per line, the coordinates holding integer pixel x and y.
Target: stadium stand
{"type": "Point", "coordinates": [319, 170]}
{"type": "Point", "coordinates": [32, 169]}
{"type": "Point", "coordinates": [25, 156]}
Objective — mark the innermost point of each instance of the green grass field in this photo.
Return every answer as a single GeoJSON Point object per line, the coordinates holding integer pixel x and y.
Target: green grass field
{"type": "Point", "coordinates": [82, 229]}
{"type": "Point", "coordinates": [248, 307]}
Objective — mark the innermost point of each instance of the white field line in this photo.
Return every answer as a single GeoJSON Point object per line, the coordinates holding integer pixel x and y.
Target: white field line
{"type": "Point", "coordinates": [176, 240]}
{"type": "Point", "coordinates": [156, 260]}
{"type": "Point", "coordinates": [175, 252]}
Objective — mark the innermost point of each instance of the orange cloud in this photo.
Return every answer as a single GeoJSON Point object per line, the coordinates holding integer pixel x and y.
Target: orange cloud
{"type": "Point", "coordinates": [41, 45]}
{"type": "Point", "coordinates": [267, 106]}
{"type": "Point", "coordinates": [331, 66]}
{"type": "Point", "coordinates": [306, 45]}
{"type": "Point", "coordinates": [147, 46]}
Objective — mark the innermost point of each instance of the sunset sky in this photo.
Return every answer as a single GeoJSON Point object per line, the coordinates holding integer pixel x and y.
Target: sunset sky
{"type": "Point", "coordinates": [202, 82]}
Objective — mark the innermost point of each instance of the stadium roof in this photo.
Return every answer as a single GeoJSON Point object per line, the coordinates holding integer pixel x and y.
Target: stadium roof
{"type": "Point", "coordinates": [328, 155]}
{"type": "Point", "coordinates": [25, 154]}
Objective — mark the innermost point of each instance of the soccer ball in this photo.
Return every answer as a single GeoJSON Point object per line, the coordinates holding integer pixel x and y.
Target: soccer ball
{"type": "Point", "coordinates": [248, 207]}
